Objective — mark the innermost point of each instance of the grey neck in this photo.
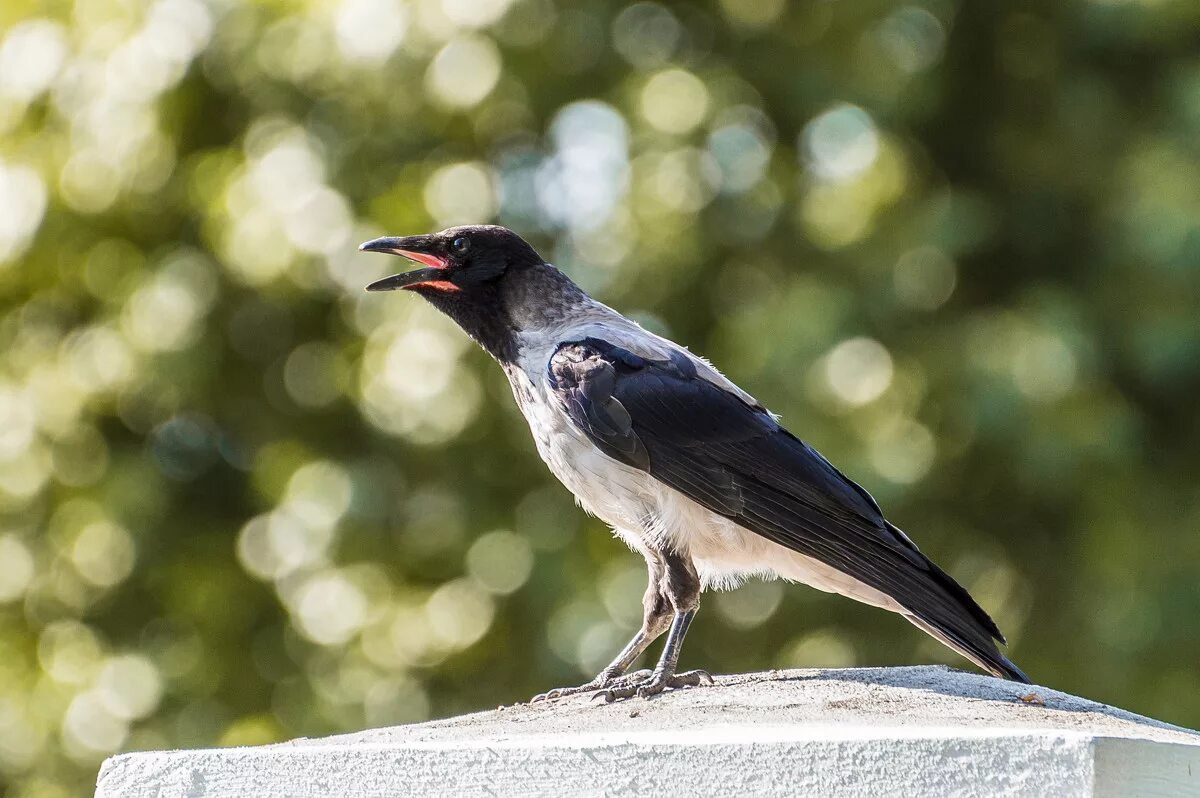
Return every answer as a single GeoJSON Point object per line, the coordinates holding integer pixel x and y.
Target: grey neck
{"type": "Point", "coordinates": [530, 298]}
{"type": "Point", "coordinates": [542, 296]}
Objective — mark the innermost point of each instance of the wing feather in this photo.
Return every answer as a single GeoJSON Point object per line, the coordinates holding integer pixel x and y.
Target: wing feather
{"type": "Point", "coordinates": [660, 416]}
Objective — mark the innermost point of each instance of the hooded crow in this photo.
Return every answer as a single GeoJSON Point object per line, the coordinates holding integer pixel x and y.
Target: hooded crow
{"type": "Point", "coordinates": [689, 470]}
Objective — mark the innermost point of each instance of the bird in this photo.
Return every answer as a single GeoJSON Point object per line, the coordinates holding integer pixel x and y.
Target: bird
{"type": "Point", "coordinates": [689, 470]}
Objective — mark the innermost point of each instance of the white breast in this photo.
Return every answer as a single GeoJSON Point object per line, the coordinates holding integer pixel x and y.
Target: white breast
{"type": "Point", "coordinates": [610, 490]}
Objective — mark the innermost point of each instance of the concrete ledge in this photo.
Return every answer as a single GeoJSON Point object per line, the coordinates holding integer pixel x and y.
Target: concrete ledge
{"type": "Point", "coordinates": [880, 732]}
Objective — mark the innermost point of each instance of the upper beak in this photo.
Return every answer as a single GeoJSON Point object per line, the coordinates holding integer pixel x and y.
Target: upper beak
{"type": "Point", "coordinates": [407, 247]}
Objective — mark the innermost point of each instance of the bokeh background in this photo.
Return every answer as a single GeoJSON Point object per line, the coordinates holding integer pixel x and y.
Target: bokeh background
{"type": "Point", "coordinates": [956, 245]}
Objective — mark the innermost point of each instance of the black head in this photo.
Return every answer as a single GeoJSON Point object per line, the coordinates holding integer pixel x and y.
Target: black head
{"type": "Point", "coordinates": [459, 260]}
{"type": "Point", "coordinates": [465, 271]}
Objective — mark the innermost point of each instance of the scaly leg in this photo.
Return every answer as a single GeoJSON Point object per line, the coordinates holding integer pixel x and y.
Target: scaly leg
{"type": "Point", "coordinates": [656, 617]}
{"type": "Point", "coordinates": [681, 585]}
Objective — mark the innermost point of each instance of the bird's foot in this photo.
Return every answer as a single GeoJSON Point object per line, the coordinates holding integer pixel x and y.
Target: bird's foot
{"type": "Point", "coordinates": [652, 684]}
{"type": "Point", "coordinates": [604, 679]}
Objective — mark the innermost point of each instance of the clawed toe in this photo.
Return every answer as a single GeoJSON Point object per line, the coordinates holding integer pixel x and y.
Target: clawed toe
{"type": "Point", "coordinates": [643, 683]}
{"type": "Point", "coordinates": [692, 679]}
{"type": "Point", "coordinates": [563, 692]}
{"type": "Point", "coordinates": [557, 692]}
{"type": "Point", "coordinates": [653, 684]}
{"type": "Point", "coordinates": [601, 682]}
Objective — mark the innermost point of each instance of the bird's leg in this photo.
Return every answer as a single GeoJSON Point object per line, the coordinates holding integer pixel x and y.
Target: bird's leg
{"type": "Point", "coordinates": [681, 585]}
{"type": "Point", "coordinates": [656, 617]}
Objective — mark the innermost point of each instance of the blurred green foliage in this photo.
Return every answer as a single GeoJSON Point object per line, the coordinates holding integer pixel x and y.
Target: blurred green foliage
{"type": "Point", "coordinates": [956, 245]}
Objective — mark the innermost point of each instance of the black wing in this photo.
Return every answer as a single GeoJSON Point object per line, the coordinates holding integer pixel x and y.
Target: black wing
{"type": "Point", "coordinates": [736, 460]}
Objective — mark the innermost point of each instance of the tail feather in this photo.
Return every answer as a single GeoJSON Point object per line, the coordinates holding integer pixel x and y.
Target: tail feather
{"type": "Point", "coordinates": [970, 631]}
{"type": "Point", "coordinates": [988, 658]}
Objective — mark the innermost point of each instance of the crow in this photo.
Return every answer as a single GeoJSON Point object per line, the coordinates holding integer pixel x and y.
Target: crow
{"type": "Point", "coordinates": [691, 471]}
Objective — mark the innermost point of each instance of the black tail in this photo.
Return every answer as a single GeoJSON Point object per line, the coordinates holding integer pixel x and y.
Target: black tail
{"type": "Point", "coordinates": [971, 631]}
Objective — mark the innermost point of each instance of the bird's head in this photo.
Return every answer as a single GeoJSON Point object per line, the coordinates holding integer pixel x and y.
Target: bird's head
{"type": "Point", "coordinates": [461, 263]}
{"type": "Point", "coordinates": [479, 275]}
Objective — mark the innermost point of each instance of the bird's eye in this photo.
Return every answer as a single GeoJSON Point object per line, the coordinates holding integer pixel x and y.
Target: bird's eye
{"type": "Point", "coordinates": [460, 245]}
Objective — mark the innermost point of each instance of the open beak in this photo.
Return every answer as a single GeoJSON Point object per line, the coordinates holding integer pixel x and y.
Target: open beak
{"type": "Point", "coordinates": [434, 275]}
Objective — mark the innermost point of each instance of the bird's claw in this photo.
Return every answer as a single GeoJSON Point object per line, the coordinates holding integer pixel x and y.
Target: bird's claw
{"type": "Point", "coordinates": [603, 680]}
{"type": "Point", "coordinates": [550, 695]}
{"type": "Point", "coordinates": [655, 683]}
{"type": "Point", "coordinates": [560, 692]}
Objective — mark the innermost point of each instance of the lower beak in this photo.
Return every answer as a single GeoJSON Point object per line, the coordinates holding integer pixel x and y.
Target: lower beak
{"type": "Point", "coordinates": [407, 248]}
{"type": "Point", "coordinates": [406, 279]}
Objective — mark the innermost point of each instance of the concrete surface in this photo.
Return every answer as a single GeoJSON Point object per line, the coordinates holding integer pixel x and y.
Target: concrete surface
{"type": "Point", "coordinates": [875, 731]}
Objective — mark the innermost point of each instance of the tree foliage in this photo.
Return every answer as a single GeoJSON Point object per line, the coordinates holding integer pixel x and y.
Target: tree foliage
{"type": "Point", "coordinates": [954, 245]}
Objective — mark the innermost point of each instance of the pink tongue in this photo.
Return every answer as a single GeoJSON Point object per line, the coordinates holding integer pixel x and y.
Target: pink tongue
{"type": "Point", "coordinates": [432, 261]}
